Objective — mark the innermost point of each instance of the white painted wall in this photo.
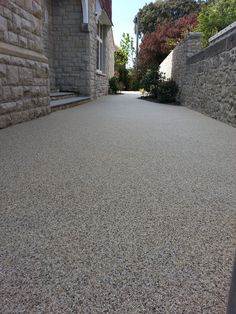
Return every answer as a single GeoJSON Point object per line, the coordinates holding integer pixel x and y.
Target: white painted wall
{"type": "Point", "coordinates": [166, 65]}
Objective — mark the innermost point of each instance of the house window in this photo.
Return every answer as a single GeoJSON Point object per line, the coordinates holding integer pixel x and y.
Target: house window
{"type": "Point", "coordinates": [100, 47]}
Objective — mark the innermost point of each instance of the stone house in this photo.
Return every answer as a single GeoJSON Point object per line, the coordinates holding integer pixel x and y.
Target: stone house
{"type": "Point", "coordinates": [52, 46]}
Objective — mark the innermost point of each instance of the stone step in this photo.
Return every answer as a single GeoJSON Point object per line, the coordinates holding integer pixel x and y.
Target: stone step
{"type": "Point", "coordinates": [62, 95]}
{"type": "Point", "coordinates": [68, 102]}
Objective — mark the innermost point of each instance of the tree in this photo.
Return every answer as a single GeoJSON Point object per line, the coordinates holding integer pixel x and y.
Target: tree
{"type": "Point", "coordinates": [157, 45]}
{"type": "Point", "coordinates": [148, 18]}
{"type": "Point", "coordinates": [215, 16]}
{"type": "Point", "coordinates": [124, 56]}
{"type": "Point", "coordinates": [124, 53]}
{"type": "Point", "coordinates": [154, 13]}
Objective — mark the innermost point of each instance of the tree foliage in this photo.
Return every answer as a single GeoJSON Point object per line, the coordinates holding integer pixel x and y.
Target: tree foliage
{"type": "Point", "coordinates": [125, 52]}
{"type": "Point", "coordinates": [155, 83]}
{"type": "Point", "coordinates": [154, 13]}
{"type": "Point", "coordinates": [215, 16]}
{"type": "Point", "coordinates": [123, 57]}
{"type": "Point", "coordinates": [164, 23]}
{"type": "Point", "coordinates": [148, 18]}
{"type": "Point", "coordinates": [157, 45]}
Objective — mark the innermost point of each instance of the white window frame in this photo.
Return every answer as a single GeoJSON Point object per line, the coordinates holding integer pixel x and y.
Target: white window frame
{"type": "Point", "coordinates": [100, 48]}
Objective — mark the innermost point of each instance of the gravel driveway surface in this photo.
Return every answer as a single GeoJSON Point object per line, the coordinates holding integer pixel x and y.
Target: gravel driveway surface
{"type": "Point", "coordinates": [117, 206]}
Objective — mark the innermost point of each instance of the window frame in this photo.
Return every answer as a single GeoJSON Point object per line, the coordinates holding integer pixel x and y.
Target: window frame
{"type": "Point", "coordinates": [100, 63]}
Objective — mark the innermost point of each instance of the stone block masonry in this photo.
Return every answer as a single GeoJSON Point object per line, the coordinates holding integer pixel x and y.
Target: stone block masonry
{"type": "Point", "coordinates": [191, 45]}
{"type": "Point", "coordinates": [69, 57]}
{"type": "Point", "coordinates": [23, 67]}
{"type": "Point", "coordinates": [71, 48]}
{"type": "Point", "coordinates": [210, 85]}
{"type": "Point", "coordinates": [99, 82]}
{"type": "Point", "coordinates": [48, 40]}
{"type": "Point", "coordinates": [207, 77]}
{"type": "Point", "coordinates": [50, 45]}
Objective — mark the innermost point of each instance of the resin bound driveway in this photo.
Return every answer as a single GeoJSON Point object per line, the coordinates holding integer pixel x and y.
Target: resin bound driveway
{"type": "Point", "coordinates": [117, 206]}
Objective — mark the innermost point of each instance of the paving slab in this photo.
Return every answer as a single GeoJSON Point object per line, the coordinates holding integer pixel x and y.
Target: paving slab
{"type": "Point", "coordinates": [117, 206]}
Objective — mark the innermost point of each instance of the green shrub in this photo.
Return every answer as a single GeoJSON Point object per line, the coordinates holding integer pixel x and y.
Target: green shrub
{"type": "Point", "coordinates": [134, 84]}
{"type": "Point", "coordinates": [151, 80]}
{"type": "Point", "coordinates": [167, 91]}
{"type": "Point", "coordinates": [155, 83]}
{"type": "Point", "coordinates": [123, 77]}
{"type": "Point", "coordinates": [114, 85]}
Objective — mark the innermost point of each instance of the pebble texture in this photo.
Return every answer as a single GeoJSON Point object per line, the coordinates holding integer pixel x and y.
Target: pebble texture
{"type": "Point", "coordinates": [117, 206]}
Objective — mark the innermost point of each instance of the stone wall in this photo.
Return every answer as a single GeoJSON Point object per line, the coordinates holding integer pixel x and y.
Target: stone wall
{"type": "Point", "coordinates": [110, 53]}
{"type": "Point", "coordinates": [71, 47]}
{"type": "Point", "coordinates": [48, 41]}
{"type": "Point", "coordinates": [207, 77]}
{"type": "Point", "coordinates": [47, 44]}
{"type": "Point", "coordinates": [211, 82]}
{"type": "Point", "coordinates": [99, 81]}
{"type": "Point", "coordinates": [191, 45]}
{"type": "Point", "coordinates": [23, 67]}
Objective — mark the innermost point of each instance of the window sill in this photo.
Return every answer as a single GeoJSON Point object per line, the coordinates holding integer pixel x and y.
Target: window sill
{"type": "Point", "coordinates": [98, 72]}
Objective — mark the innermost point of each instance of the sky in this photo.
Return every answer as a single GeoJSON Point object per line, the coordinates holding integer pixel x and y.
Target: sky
{"type": "Point", "coordinates": [123, 13]}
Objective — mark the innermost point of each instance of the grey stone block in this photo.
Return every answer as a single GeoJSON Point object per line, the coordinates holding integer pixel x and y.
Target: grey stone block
{"type": "Point", "coordinates": [7, 107]}
{"type": "Point", "coordinates": [3, 24]}
{"type": "Point", "coordinates": [3, 70]}
{"type": "Point", "coordinates": [5, 121]}
{"type": "Point", "coordinates": [13, 38]}
{"type": "Point", "coordinates": [25, 75]}
{"type": "Point", "coordinates": [16, 117]}
{"type": "Point", "coordinates": [17, 92]}
{"type": "Point", "coordinates": [6, 93]}
{"type": "Point", "coordinates": [12, 75]}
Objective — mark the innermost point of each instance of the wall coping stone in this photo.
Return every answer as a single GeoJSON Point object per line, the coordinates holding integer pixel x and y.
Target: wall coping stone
{"type": "Point", "coordinates": [16, 51]}
{"type": "Point", "coordinates": [224, 45]}
{"type": "Point", "coordinates": [223, 33]}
